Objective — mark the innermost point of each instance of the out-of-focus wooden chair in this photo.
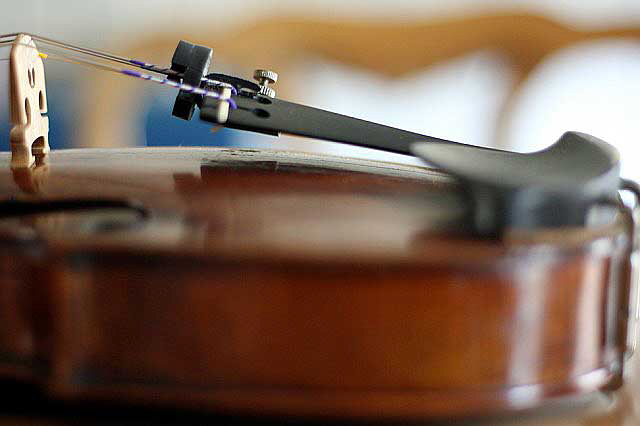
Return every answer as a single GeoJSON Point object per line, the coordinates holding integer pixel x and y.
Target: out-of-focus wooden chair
{"type": "Point", "coordinates": [389, 49]}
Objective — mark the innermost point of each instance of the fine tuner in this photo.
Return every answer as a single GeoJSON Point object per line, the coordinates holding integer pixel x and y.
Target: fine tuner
{"type": "Point", "coordinates": [264, 78]}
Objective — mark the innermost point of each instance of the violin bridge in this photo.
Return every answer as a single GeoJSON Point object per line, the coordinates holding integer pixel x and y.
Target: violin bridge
{"type": "Point", "coordinates": [28, 99]}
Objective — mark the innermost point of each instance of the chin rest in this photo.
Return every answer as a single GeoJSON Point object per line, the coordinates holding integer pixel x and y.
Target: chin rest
{"type": "Point", "coordinates": [550, 188]}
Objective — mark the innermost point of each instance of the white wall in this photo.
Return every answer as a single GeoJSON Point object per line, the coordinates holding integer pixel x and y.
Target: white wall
{"type": "Point", "coordinates": [95, 20]}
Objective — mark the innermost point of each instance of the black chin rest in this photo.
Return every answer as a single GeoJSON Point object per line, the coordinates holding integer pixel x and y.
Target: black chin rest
{"type": "Point", "coordinates": [555, 187]}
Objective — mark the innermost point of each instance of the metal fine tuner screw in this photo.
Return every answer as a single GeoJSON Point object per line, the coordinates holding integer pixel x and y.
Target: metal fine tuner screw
{"type": "Point", "coordinates": [264, 78]}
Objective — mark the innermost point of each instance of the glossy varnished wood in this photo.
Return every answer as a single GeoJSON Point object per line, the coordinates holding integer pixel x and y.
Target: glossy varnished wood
{"type": "Point", "coordinates": [282, 283]}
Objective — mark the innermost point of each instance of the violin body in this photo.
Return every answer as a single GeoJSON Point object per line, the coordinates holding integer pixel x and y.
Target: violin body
{"type": "Point", "coordinates": [267, 282]}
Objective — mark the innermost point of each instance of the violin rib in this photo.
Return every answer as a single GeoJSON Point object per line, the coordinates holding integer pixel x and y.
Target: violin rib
{"type": "Point", "coordinates": [266, 282]}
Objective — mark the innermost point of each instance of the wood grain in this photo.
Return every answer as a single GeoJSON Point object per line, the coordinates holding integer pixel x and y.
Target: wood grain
{"type": "Point", "coordinates": [287, 284]}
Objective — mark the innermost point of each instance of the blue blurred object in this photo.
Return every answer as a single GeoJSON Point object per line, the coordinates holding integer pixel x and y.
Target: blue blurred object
{"type": "Point", "coordinates": [160, 127]}
{"type": "Point", "coordinates": [5, 127]}
{"type": "Point", "coordinates": [60, 117]}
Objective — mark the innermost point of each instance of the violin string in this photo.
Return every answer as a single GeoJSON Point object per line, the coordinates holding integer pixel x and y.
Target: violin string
{"type": "Point", "coordinates": [110, 57]}
{"type": "Point", "coordinates": [136, 74]}
{"type": "Point", "coordinates": [149, 67]}
{"type": "Point", "coordinates": [100, 54]}
{"type": "Point", "coordinates": [142, 76]}
{"type": "Point", "coordinates": [90, 52]}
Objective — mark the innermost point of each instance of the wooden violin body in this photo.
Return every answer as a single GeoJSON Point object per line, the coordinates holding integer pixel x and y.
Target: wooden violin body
{"type": "Point", "coordinates": [266, 282]}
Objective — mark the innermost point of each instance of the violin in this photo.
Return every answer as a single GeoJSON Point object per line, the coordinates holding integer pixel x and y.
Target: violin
{"type": "Point", "coordinates": [266, 282]}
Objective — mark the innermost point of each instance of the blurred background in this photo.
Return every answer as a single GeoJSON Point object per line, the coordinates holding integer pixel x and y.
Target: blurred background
{"type": "Point", "coordinates": [511, 74]}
